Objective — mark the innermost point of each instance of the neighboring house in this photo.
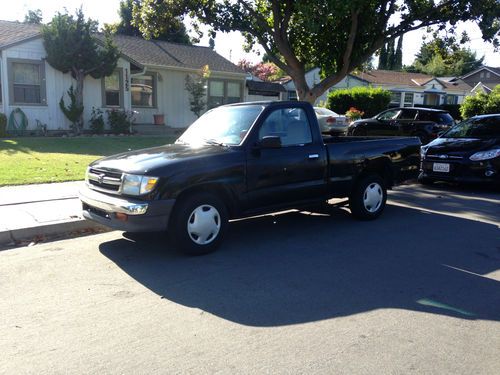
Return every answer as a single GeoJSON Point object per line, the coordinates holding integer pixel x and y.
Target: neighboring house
{"type": "Point", "coordinates": [258, 90]}
{"type": "Point", "coordinates": [413, 89]}
{"type": "Point", "coordinates": [407, 89]}
{"type": "Point", "coordinates": [483, 79]}
{"type": "Point", "coordinates": [149, 78]}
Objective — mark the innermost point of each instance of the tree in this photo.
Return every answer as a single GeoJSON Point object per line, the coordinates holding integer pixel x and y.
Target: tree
{"type": "Point", "coordinates": [335, 36]}
{"type": "Point", "coordinates": [382, 60]}
{"type": "Point", "coordinates": [481, 103]}
{"type": "Point", "coordinates": [34, 17]}
{"type": "Point", "coordinates": [398, 57]}
{"type": "Point", "coordinates": [72, 48]}
{"type": "Point", "coordinates": [196, 85]}
{"type": "Point", "coordinates": [265, 71]}
{"type": "Point", "coordinates": [172, 31]}
{"type": "Point", "coordinates": [445, 56]}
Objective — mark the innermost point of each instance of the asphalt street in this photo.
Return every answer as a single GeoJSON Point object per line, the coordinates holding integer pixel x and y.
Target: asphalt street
{"type": "Point", "coordinates": [416, 291]}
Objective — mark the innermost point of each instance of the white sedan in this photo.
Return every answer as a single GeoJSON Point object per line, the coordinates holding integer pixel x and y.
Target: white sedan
{"type": "Point", "coordinates": [331, 122]}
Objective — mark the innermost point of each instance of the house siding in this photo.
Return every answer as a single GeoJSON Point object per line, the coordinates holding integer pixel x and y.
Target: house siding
{"type": "Point", "coordinates": [474, 79]}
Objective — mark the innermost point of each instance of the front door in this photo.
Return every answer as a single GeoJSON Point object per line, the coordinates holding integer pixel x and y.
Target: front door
{"type": "Point", "coordinates": [291, 173]}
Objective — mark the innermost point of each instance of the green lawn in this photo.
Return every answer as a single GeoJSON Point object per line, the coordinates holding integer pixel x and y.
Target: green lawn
{"type": "Point", "coordinates": [39, 160]}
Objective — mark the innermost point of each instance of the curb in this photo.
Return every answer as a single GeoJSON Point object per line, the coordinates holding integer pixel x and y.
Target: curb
{"type": "Point", "coordinates": [75, 228]}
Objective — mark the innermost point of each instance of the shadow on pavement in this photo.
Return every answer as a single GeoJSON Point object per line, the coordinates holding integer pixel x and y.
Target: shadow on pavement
{"type": "Point", "coordinates": [299, 268]}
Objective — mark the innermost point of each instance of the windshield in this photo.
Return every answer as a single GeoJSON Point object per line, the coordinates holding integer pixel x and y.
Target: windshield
{"type": "Point", "coordinates": [223, 125]}
{"type": "Point", "coordinates": [486, 127]}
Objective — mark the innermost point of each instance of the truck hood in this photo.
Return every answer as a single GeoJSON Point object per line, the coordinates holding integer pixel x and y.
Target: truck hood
{"type": "Point", "coordinates": [460, 145]}
{"type": "Point", "coordinates": [144, 160]}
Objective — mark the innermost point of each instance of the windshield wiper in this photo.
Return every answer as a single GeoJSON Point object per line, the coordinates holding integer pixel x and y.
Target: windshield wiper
{"type": "Point", "coordinates": [214, 142]}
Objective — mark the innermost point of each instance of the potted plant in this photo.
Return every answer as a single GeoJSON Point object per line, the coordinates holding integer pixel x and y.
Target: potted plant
{"type": "Point", "coordinates": [159, 119]}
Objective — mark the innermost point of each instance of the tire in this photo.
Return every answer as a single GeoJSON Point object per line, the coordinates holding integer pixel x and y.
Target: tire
{"type": "Point", "coordinates": [368, 198]}
{"type": "Point", "coordinates": [198, 224]}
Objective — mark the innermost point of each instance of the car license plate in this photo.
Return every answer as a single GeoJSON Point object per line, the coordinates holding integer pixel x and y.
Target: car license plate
{"type": "Point", "coordinates": [441, 167]}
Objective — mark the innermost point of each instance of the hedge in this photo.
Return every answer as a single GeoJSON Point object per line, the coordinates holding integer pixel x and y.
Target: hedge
{"type": "Point", "coordinates": [481, 103]}
{"type": "Point", "coordinates": [3, 125]}
{"type": "Point", "coordinates": [369, 100]}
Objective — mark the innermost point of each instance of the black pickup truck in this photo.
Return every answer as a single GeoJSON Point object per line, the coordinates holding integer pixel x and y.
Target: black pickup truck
{"type": "Point", "coordinates": [241, 160]}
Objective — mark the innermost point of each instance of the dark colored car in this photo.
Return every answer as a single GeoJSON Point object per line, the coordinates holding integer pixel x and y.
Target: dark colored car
{"type": "Point", "coordinates": [424, 123]}
{"type": "Point", "coordinates": [242, 160]}
{"type": "Point", "coordinates": [468, 152]}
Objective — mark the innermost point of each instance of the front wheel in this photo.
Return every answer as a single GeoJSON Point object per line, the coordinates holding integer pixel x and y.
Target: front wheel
{"type": "Point", "coordinates": [198, 223]}
{"type": "Point", "coordinates": [368, 198]}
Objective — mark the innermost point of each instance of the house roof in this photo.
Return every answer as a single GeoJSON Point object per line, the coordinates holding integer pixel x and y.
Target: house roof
{"type": "Point", "coordinates": [489, 68]}
{"type": "Point", "coordinates": [265, 86]}
{"type": "Point", "coordinates": [144, 52]}
{"type": "Point", "coordinates": [391, 77]}
{"type": "Point", "coordinates": [15, 32]}
{"type": "Point", "coordinates": [160, 53]}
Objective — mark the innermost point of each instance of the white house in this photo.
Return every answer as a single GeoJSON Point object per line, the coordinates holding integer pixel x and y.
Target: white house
{"type": "Point", "coordinates": [149, 78]}
{"type": "Point", "coordinates": [408, 89]}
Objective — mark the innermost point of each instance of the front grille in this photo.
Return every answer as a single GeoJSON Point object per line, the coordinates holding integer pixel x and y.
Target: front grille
{"type": "Point", "coordinates": [104, 180]}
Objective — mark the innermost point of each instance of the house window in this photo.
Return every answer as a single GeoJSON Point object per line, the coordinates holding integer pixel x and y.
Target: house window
{"type": "Point", "coordinates": [408, 102]}
{"type": "Point", "coordinates": [451, 99]}
{"type": "Point", "coordinates": [292, 95]}
{"type": "Point", "coordinates": [27, 83]}
{"type": "Point", "coordinates": [223, 92]}
{"type": "Point", "coordinates": [488, 75]}
{"type": "Point", "coordinates": [395, 97]}
{"type": "Point", "coordinates": [0, 82]}
{"type": "Point", "coordinates": [112, 90]}
{"type": "Point", "coordinates": [481, 75]}
{"type": "Point", "coordinates": [143, 91]}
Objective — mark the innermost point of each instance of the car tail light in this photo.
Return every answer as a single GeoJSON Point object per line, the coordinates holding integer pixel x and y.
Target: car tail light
{"type": "Point", "coordinates": [331, 120]}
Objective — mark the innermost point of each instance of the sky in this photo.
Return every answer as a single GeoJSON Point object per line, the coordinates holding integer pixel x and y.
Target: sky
{"type": "Point", "coordinates": [228, 45]}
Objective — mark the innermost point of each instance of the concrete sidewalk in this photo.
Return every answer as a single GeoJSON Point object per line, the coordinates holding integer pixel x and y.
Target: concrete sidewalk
{"type": "Point", "coordinates": [32, 213]}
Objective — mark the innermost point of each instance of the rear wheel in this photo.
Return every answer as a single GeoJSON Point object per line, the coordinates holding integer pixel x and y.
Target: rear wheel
{"type": "Point", "coordinates": [198, 223]}
{"type": "Point", "coordinates": [368, 198]}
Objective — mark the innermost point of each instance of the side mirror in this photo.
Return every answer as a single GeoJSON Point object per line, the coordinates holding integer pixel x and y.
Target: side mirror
{"type": "Point", "coordinates": [270, 141]}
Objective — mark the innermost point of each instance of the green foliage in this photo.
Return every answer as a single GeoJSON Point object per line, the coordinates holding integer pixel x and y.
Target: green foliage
{"type": "Point", "coordinates": [172, 31]}
{"type": "Point", "coordinates": [33, 17]}
{"type": "Point", "coordinates": [3, 125]}
{"type": "Point", "coordinates": [481, 103]}
{"type": "Point", "coordinates": [120, 121]}
{"type": "Point", "coordinates": [444, 56]}
{"type": "Point", "coordinates": [366, 99]}
{"type": "Point", "coordinates": [96, 121]}
{"type": "Point", "coordinates": [335, 36]}
{"type": "Point", "coordinates": [71, 47]}
{"type": "Point", "coordinates": [195, 85]}
{"type": "Point", "coordinates": [74, 110]}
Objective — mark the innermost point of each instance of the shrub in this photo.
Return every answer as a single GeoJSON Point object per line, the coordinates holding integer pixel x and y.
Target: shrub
{"type": "Point", "coordinates": [481, 103]}
{"type": "Point", "coordinates": [3, 125]}
{"type": "Point", "coordinates": [366, 99]}
{"type": "Point", "coordinates": [120, 121]}
{"type": "Point", "coordinates": [96, 121]}
{"type": "Point", "coordinates": [354, 114]}
{"type": "Point", "coordinates": [73, 111]}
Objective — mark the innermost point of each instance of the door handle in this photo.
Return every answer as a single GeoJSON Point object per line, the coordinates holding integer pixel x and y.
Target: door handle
{"type": "Point", "coordinates": [313, 156]}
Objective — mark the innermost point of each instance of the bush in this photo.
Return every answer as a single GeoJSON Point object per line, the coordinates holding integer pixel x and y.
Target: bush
{"type": "Point", "coordinates": [120, 121]}
{"type": "Point", "coordinates": [73, 111]}
{"type": "Point", "coordinates": [3, 125]}
{"type": "Point", "coordinates": [96, 121]}
{"type": "Point", "coordinates": [481, 104]}
{"type": "Point", "coordinates": [366, 99]}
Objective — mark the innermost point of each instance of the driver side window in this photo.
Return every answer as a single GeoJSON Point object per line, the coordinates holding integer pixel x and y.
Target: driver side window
{"type": "Point", "coordinates": [290, 124]}
{"type": "Point", "coordinates": [389, 115]}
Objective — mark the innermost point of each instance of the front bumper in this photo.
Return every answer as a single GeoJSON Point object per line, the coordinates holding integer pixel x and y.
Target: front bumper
{"type": "Point", "coordinates": [462, 171]}
{"type": "Point", "coordinates": [142, 216]}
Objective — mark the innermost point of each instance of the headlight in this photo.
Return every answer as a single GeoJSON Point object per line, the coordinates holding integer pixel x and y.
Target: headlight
{"type": "Point", "coordinates": [485, 155]}
{"type": "Point", "coordinates": [137, 185]}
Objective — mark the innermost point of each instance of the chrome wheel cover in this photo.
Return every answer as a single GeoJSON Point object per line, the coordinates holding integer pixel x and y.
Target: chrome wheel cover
{"type": "Point", "coordinates": [204, 224]}
{"type": "Point", "coordinates": [373, 197]}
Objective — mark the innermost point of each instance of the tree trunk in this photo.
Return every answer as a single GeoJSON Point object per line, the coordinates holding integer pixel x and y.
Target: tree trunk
{"type": "Point", "coordinates": [302, 88]}
{"type": "Point", "coordinates": [80, 77]}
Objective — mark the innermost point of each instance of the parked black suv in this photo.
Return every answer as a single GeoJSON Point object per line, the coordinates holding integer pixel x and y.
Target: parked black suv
{"type": "Point", "coordinates": [424, 123]}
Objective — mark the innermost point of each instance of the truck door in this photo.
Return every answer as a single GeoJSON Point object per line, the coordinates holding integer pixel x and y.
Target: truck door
{"type": "Point", "coordinates": [292, 172]}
